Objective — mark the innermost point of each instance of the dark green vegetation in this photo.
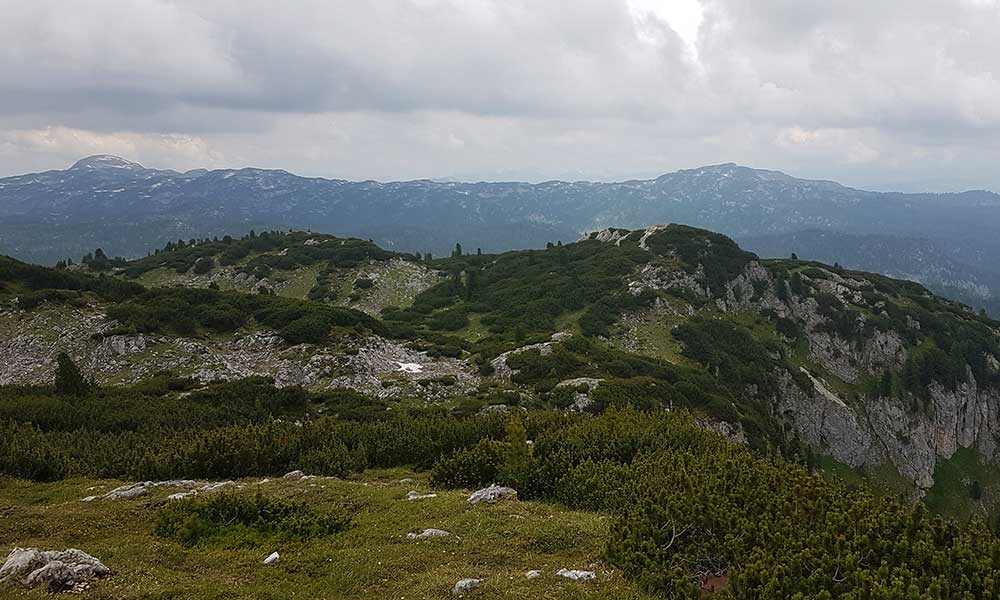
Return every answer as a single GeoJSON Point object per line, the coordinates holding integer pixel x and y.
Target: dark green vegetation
{"type": "Point", "coordinates": [34, 285]}
{"type": "Point", "coordinates": [520, 295]}
{"type": "Point", "coordinates": [182, 256]}
{"type": "Point", "coordinates": [189, 311]}
{"type": "Point", "coordinates": [252, 520]}
{"type": "Point", "coordinates": [947, 240]}
{"type": "Point", "coordinates": [687, 504]}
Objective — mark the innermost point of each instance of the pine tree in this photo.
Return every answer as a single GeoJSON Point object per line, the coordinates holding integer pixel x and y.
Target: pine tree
{"type": "Point", "coordinates": [69, 380]}
{"type": "Point", "coordinates": [518, 453]}
{"type": "Point", "coordinates": [471, 284]}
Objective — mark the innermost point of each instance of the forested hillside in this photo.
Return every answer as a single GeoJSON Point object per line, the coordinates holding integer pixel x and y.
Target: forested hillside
{"type": "Point", "coordinates": [946, 241]}
{"type": "Point", "coordinates": [756, 427]}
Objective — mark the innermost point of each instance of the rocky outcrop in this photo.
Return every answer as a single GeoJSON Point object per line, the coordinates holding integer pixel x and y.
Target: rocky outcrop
{"type": "Point", "coordinates": [463, 586]}
{"type": "Point", "coordinates": [415, 495]}
{"type": "Point", "coordinates": [826, 423]}
{"type": "Point", "coordinates": [885, 430]}
{"type": "Point", "coordinates": [610, 235]}
{"type": "Point", "coordinates": [499, 364]}
{"type": "Point", "coordinates": [668, 278]}
{"type": "Point", "coordinates": [582, 388]}
{"type": "Point", "coordinates": [492, 495]}
{"type": "Point", "coordinates": [427, 533]}
{"type": "Point", "coordinates": [134, 490]}
{"type": "Point", "coordinates": [57, 570]}
{"type": "Point", "coordinates": [368, 364]}
{"type": "Point", "coordinates": [867, 432]}
{"type": "Point", "coordinates": [576, 575]}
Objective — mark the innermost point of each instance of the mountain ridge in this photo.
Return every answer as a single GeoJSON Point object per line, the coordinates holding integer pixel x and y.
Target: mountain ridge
{"type": "Point", "coordinates": [128, 210]}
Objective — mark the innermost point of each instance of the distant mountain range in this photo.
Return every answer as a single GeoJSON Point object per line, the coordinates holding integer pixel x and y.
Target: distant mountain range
{"type": "Point", "coordinates": [946, 241]}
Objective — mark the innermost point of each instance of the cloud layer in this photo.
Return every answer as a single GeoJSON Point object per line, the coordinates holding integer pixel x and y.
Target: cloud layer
{"type": "Point", "coordinates": [873, 92]}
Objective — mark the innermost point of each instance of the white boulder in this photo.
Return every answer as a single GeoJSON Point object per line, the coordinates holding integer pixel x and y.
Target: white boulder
{"type": "Point", "coordinates": [59, 570]}
{"type": "Point", "coordinates": [576, 575]}
{"type": "Point", "coordinates": [492, 494]}
{"type": "Point", "coordinates": [415, 495]}
{"type": "Point", "coordinates": [427, 533]}
{"type": "Point", "coordinates": [465, 585]}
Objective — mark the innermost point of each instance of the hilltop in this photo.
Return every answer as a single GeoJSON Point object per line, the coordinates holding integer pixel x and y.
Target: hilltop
{"type": "Point", "coordinates": [129, 210]}
{"type": "Point", "coordinates": [835, 364]}
{"type": "Point", "coordinates": [668, 382]}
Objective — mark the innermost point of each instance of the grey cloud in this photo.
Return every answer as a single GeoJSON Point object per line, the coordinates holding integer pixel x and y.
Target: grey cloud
{"type": "Point", "coordinates": [871, 92]}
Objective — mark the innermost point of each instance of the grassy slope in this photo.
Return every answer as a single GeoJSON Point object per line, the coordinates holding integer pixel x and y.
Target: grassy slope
{"type": "Point", "coordinates": [952, 491]}
{"type": "Point", "coordinates": [373, 559]}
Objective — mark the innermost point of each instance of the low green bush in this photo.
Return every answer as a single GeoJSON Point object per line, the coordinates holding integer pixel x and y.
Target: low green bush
{"type": "Point", "coordinates": [249, 518]}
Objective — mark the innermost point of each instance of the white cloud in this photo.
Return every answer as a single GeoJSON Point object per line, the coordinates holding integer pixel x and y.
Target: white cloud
{"type": "Point", "coordinates": [64, 145]}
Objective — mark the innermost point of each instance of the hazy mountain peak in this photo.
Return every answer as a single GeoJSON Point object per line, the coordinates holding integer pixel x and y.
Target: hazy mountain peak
{"type": "Point", "coordinates": [106, 161]}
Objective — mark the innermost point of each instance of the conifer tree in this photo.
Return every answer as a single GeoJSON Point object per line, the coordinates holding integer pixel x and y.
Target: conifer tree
{"type": "Point", "coordinates": [69, 380]}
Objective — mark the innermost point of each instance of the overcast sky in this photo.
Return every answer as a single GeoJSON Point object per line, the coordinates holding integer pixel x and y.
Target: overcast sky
{"type": "Point", "coordinates": [879, 93]}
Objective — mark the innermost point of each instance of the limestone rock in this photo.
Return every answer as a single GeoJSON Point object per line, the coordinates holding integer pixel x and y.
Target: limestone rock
{"type": "Point", "coordinates": [427, 533]}
{"type": "Point", "coordinates": [58, 570]}
{"type": "Point", "coordinates": [492, 494]}
{"type": "Point", "coordinates": [415, 495]}
{"type": "Point", "coordinates": [133, 490]}
{"type": "Point", "coordinates": [465, 585]}
{"type": "Point", "coordinates": [576, 575]}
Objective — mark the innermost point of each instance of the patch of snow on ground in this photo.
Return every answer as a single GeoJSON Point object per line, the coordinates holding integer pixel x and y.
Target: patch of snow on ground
{"type": "Point", "coordinates": [411, 368]}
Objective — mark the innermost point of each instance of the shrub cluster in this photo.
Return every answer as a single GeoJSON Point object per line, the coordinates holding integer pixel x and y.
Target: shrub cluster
{"type": "Point", "coordinates": [687, 503]}
{"type": "Point", "coordinates": [204, 519]}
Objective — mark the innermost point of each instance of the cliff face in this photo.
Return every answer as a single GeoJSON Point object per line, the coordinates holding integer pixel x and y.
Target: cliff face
{"type": "Point", "coordinates": [885, 430]}
{"type": "Point", "coordinates": [873, 430]}
{"type": "Point", "coordinates": [841, 416]}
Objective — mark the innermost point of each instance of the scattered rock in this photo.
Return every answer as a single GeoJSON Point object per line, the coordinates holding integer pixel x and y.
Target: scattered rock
{"type": "Point", "coordinates": [88, 499]}
{"type": "Point", "coordinates": [532, 574]}
{"type": "Point", "coordinates": [131, 490]}
{"type": "Point", "coordinates": [407, 480]}
{"type": "Point", "coordinates": [134, 490]}
{"type": "Point", "coordinates": [180, 495]}
{"type": "Point", "coordinates": [415, 495]}
{"type": "Point", "coordinates": [272, 558]}
{"type": "Point", "coordinates": [576, 575]}
{"type": "Point", "coordinates": [294, 475]}
{"type": "Point", "coordinates": [427, 533]}
{"type": "Point", "coordinates": [58, 570]}
{"type": "Point", "coordinates": [208, 487]}
{"type": "Point", "coordinates": [465, 585]}
{"type": "Point", "coordinates": [492, 494]}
